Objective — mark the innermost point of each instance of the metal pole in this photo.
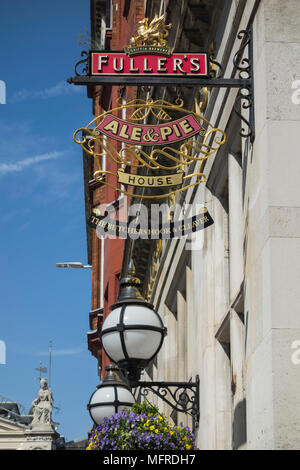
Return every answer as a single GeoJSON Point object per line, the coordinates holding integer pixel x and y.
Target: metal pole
{"type": "Point", "coordinates": [50, 354]}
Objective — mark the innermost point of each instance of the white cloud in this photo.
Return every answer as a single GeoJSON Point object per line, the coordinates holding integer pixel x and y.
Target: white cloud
{"type": "Point", "coordinates": [61, 88]}
{"type": "Point", "coordinates": [26, 162]}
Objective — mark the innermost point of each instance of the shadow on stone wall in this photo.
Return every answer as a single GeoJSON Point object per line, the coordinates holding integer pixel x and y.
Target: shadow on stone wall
{"type": "Point", "coordinates": [239, 426]}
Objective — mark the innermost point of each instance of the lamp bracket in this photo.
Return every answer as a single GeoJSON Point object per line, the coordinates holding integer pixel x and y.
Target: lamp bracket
{"type": "Point", "coordinates": [183, 397]}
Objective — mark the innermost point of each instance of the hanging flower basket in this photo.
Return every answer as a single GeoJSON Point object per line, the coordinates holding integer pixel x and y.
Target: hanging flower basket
{"type": "Point", "coordinates": [140, 428]}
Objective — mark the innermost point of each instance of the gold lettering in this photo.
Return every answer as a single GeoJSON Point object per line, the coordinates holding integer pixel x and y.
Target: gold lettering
{"type": "Point", "coordinates": [136, 134]}
{"type": "Point", "coordinates": [123, 131]}
{"type": "Point", "coordinates": [177, 131]}
{"type": "Point", "coordinates": [165, 132]}
{"type": "Point", "coordinates": [186, 127]}
{"type": "Point", "coordinates": [113, 126]}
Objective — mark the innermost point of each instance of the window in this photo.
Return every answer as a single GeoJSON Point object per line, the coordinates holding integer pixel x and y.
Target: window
{"type": "Point", "coordinates": [109, 13]}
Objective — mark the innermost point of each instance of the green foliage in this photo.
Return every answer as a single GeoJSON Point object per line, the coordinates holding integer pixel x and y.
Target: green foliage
{"type": "Point", "coordinates": [144, 408]}
{"type": "Point", "coordinates": [85, 39]}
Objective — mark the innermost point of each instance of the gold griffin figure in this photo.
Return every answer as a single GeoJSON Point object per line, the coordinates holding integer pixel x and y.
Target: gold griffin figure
{"type": "Point", "coordinates": [153, 33]}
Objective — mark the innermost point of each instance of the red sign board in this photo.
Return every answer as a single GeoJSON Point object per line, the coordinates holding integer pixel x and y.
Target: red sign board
{"type": "Point", "coordinates": [180, 64]}
{"type": "Point", "coordinates": [159, 134]}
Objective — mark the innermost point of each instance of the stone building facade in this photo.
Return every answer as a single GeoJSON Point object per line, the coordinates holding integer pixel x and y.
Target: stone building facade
{"type": "Point", "coordinates": [18, 431]}
{"type": "Point", "coordinates": [231, 303]}
{"type": "Point", "coordinates": [229, 296]}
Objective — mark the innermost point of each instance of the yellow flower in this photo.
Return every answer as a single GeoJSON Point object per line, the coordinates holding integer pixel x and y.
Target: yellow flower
{"type": "Point", "coordinates": [152, 428]}
{"type": "Point", "coordinates": [188, 446]}
{"type": "Point", "coordinates": [160, 417]}
{"type": "Point", "coordinates": [165, 429]}
{"type": "Point", "coordinates": [185, 438]}
{"type": "Point", "coordinates": [171, 432]}
{"type": "Point", "coordinates": [156, 431]}
{"type": "Point", "coordinates": [147, 423]}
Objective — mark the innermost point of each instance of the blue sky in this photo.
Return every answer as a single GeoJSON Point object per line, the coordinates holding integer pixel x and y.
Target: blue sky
{"type": "Point", "coordinates": [42, 219]}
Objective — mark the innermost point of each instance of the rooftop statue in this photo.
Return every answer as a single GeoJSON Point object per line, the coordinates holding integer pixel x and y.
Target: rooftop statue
{"type": "Point", "coordinates": [42, 406]}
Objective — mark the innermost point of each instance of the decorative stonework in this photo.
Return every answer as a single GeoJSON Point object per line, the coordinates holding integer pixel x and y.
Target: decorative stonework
{"type": "Point", "coordinates": [39, 441]}
{"type": "Point", "coordinates": [42, 408]}
{"type": "Point", "coordinates": [35, 431]}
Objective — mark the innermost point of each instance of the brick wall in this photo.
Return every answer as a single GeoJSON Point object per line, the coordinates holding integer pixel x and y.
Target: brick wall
{"type": "Point", "coordinates": [104, 98]}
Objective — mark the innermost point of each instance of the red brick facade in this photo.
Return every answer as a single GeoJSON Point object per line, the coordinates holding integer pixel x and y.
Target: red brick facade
{"type": "Point", "coordinates": [125, 16]}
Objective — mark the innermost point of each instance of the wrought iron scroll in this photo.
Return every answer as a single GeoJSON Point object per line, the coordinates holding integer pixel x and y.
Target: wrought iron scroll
{"type": "Point", "coordinates": [181, 396]}
{"type": "Point", "coordinates": [83, 64]}
{"type": "Point", "coordinates": [243, 65]}
{"type": "Point", "coordinates": [214, 65]}
{"type": "Point", "coordinates": [244, 99]}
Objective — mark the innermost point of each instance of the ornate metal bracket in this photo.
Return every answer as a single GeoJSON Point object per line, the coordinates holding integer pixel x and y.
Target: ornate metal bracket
{"type": "Point", "coordinates": [245, 96]}
{"type": "Point", "coordinates": [244, 65]}
{"type": "Point", "coordinates": [183, 397]}
{"type": "Point", "coordinates": [83, 64]}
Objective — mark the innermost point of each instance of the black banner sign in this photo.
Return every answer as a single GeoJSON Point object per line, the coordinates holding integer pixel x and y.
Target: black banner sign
{"type": "Point", "coordinates": [134, 229]}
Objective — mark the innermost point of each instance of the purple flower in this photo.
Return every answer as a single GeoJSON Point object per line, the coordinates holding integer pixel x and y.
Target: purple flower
{"type": "Point", "coordinates": [127, 430]}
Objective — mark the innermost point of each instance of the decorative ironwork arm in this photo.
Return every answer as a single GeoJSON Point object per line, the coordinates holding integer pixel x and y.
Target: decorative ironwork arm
{"type": "Point", "coordinates": [245, 98]}
{"type": "Point", "coordinates": [244, 82]}
{"type": "Point", "coordinates": [83, 64]}
{"type": "Point", "coordinates": [181, 396]}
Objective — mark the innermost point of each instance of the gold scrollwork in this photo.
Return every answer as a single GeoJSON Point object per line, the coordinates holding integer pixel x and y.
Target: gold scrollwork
{"type": "Point", "coordinates": [154, 268]}
{"type": "Point", "coordinates": [170, 157]}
